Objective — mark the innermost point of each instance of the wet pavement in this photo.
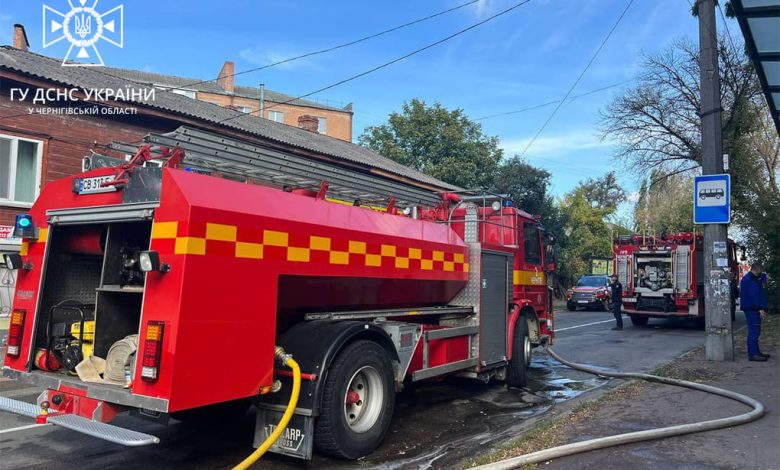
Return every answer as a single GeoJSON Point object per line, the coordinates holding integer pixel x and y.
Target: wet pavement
{"type": "Point", "coordinates": [436, 425]}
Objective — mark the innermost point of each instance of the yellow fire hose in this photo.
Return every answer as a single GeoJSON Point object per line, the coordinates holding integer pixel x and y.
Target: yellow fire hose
{"type": "Point", "coordinates": [288, 361]}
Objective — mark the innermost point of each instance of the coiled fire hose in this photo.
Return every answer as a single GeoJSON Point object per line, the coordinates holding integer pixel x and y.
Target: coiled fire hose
{"type": "Point", "coordinates": [638, 436]}
{"type": "Point", "coordinates": [288, 361]}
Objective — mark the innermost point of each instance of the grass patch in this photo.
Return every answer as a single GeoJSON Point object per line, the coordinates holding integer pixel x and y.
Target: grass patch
{"type": "Point", "coordinates": [550, 432]}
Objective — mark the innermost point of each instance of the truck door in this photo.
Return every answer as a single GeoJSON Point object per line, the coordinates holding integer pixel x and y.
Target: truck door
{"type": "Point", "coordinates": [494, 306]}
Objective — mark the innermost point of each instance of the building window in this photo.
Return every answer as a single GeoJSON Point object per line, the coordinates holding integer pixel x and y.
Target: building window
{"type": "Point", "coordinates": [244, 109]}
{"type": "Point", "coordinates": [20, 169]}
{"type": "Point", "coordinates": [322, 125]}
{"type": "Point", "coordinates": [276, 116]}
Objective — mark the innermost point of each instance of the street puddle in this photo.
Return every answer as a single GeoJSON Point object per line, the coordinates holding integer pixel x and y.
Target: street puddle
{"type": "Point", "coordinates": [441, 424]}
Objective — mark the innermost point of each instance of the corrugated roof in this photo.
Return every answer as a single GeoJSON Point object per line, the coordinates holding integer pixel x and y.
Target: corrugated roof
{"type": "Point", "coordinates": [49, 69]}
{"type": "Point", "coordinates": [149, 78]}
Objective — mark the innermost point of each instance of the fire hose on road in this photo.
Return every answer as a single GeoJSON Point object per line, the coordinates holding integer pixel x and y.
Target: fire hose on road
{"type": "Point", "coordinates": [638, 436]}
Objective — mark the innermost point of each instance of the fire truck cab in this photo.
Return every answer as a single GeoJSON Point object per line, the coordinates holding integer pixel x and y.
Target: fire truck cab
{"type": "Point", "coordinates": [663, 277]}
{"type": "Point", "coordinates": [171, 291]}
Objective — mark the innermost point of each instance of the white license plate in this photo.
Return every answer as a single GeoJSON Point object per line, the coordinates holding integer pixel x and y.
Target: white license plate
{"type": "Point", "coordinates": [582, 301]}
{"type": "Point", "coordinates": [95, 185]}
{"type": "Point", "coordinates": [629, 299]}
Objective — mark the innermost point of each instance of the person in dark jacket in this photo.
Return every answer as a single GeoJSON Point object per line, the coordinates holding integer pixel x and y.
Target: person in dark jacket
{"type": "Point", "coordinates": [616, 289]}
{"type": "Point", "coordinates": [752, 301]}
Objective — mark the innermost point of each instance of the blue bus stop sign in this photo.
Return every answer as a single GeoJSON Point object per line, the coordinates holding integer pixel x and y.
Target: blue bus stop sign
{"type": "Point", "coordinates": [712, 199]}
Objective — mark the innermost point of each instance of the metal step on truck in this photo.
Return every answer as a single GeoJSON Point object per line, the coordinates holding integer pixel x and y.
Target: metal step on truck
{"type": "Point", "coordinates": [172, 284]}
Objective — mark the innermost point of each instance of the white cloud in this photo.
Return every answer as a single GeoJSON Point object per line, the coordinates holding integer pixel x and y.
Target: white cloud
{"type": "Point", "coordinates": [633, 197]}
{"type": "Point", "coordinates": [270, 55]}
{"type": "Point", "coordinates": [562, 144]}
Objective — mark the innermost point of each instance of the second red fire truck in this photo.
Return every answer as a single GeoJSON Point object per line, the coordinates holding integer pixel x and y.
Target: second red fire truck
{"type": "Point", "coordinates": [167, 290]}
{"type": "Point", "coordinates": [663, 276]}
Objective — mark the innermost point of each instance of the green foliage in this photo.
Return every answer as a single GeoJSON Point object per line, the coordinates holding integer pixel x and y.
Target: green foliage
{"type": "Point", "coordinates": [587, 234]}
{"type": "Point", "coordinates": [665, 204]}
{"type": "Point", "coordinates": [604, 192]}
{"type": "Point", "coordinates": [442, 143]}
{"type": "Point", "coordinates": [527, 185]}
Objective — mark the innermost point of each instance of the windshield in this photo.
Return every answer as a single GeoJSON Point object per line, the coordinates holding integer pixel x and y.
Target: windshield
{"type": "Point", "coordinates": [592, 281]}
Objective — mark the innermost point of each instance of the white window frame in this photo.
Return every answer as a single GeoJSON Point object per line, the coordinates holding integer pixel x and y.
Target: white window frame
{"type": "Point", "coordinates": [320, 120]}
{"type": "Point", "coordinates": [10, 202]}
{"type": "Point", "coordinates": [275, 113]}
{"type": "Point", "coordinates": [244, 109]}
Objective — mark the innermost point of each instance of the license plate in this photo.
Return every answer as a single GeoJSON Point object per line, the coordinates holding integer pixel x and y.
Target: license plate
{"type": "Point", "coordinates": [629, 299]}
{"type": "Point", "coordinates": [582, 301]}
{"type": "Point", "coordinates": [95, 185]}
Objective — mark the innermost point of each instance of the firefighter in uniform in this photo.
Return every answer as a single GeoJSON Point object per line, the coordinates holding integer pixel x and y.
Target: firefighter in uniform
{"type": "Point", "coordinates": [616, 289]}
{"type": "Point", "coordinates": [752, 301]}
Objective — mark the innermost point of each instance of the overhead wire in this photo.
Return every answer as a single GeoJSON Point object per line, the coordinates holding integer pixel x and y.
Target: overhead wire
{"type": "Point", "coordinates": [542, 105]}
{"type": "Point", "coordinates": [331, 48]}
{"type": "Point", "coordinates": [577, 81]}
{"type": "Point", "coordinates": [389, 63]}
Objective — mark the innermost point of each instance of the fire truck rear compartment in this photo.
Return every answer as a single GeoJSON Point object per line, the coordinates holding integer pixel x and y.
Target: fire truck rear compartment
{"type": "Point", "coordinates": [91, 270]}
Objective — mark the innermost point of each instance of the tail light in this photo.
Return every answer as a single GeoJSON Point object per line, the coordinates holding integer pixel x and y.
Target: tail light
{"type": "Point", "coordinates": [150, 364]}
{"type": "Point", "coordinates": [15, 333]}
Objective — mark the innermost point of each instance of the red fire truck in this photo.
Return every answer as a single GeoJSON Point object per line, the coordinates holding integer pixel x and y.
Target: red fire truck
{"type": "Point", "coordinates": [182, 286]}
{"type": "Point", "coordinates": [663, 276]}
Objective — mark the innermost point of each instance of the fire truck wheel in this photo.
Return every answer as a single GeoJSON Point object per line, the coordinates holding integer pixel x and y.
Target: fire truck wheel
{"type": "Point", "coordinates": [357, 402]}
{"type": "Point", "coordinates": [521, 355]}
{"type": "Point", "coordinates": [571, 306]}
{"type": "Point", "coordinates": [639, 320]}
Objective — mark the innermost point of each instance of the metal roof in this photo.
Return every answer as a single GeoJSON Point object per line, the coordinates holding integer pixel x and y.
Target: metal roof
{"type": "Point", "coordinates": [211, 86]}
{"type": "Point", "coordinates": [760, 24]}
{"type": "Point", "coordinates": [46, 68]}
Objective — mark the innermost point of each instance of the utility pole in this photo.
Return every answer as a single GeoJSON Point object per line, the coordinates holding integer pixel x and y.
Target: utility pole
{"type": "Point", "coordinates": [717, 279]}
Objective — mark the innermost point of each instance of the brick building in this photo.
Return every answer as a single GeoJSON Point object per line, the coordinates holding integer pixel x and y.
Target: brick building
{"type": "Point", "coordinates": [331, 120]}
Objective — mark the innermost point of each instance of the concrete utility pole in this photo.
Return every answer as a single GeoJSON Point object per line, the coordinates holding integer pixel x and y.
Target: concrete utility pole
{"type": "Point", "coordinates": [717, 279]}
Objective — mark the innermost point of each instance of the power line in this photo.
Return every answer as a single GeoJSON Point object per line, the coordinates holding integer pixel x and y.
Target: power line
{"type": "Point", "coordinates": [577, 81]}
{"type": "Point", "coordinates": [531, 108]}
{"type": "Point", "coordinates": [386, 64]}
{"type": "Point", "coordinates": [332, 48]}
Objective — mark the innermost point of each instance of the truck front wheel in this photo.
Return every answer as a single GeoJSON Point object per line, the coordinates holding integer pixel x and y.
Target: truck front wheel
{"type": "Point", "coordinates": [639, 320]}
{"type": "Point", "coordinates": [357, 402]}
{"type": "Point", "coordinates": [521, 355]}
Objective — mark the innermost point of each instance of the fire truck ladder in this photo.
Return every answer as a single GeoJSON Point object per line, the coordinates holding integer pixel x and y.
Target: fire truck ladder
{"type": "Point", "coordinates": [241, 160]}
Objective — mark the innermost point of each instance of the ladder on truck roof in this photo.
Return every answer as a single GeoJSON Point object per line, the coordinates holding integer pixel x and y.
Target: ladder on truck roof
{"type": "Point", "coordinates": [239, 159]}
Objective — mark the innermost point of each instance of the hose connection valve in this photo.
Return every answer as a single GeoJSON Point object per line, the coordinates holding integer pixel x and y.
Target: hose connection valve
{"type": "Point", "coordinates": [282, 356]}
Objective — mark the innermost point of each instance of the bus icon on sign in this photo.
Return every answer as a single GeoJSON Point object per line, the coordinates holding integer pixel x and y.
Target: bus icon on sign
{"type": "Point", "coordinates": [717, 193]}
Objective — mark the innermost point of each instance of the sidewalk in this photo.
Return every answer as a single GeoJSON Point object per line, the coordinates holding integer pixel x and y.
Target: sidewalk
{"type": "Point", "coordinates": [751, 446]}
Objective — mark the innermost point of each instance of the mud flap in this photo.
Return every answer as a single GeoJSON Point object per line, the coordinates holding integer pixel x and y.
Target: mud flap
{"type": "Point", "coordinates": [296, 441]}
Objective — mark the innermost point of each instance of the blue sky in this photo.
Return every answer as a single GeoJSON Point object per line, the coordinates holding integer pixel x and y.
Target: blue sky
{"type": "Point", "coordinates": [527, 57]}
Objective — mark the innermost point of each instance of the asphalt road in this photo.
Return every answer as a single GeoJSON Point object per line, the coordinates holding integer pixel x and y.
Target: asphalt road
{"type": "Point", "coordinates": [434, 427]}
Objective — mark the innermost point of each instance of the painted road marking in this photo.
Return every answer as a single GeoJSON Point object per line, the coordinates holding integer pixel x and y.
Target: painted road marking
{"type": "Point", "coordinates": [22, 428]}
{"type": "Point", "coordinates": [586, 324]}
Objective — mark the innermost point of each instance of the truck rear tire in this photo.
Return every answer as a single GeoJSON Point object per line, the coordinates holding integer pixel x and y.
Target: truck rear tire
{"type": "Point", "coordinates": [357, 402]}
{"type": "Point", "coordinates": [516, 376]}
{"type": "Point", "coordinates": [639, 320]}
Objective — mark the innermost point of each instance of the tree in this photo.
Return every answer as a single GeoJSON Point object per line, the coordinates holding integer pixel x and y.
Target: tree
{"type": "Point", "coordinates": [586, 235]}
{"type": "Point", "coordinates": [604, 192]}
{"type": "Point", "coordinates": [442, 143]}
{"type": "Point", "coordinates": [526, 185]}
{"type": "Point", "coordinates": [664, 204]}
{"type": "Point", "coordinates": [657, 127]}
